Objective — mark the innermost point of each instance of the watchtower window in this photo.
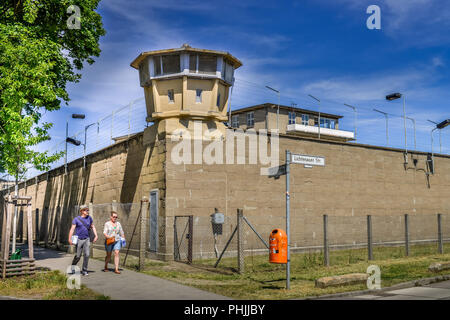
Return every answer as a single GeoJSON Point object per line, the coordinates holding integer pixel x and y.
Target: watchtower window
{"type": "Point", "coordinates": [170, 95]}
{"type": "Point", "coordinates": [202, 63]}
{"type": "Point", "coordinates": [227, 72]}
{"type": "Point", "coordinates": [167, 64]}
{"type": "Point", "coordinates": [198, 95]}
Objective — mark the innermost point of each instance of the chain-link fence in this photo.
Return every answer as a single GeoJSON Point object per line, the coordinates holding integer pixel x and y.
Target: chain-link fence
{"type": "Point", "coordinates": [319, 240]}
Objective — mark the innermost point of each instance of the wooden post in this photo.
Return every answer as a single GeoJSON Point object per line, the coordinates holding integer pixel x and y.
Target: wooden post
{"type": "Point", "coordinates": [326, 256]}
{"type": "Point", "coordinates": [5, 213]}
{"type": "Point", "coordinates": [240, 240]}
{"type": "Point", "coordinates": [30, 231]}
{"type": "Point", "coordinates": [143, 232]}
{"type": "Point", "coordinates": [440, 236]}
{"type": "Point", "coordinates": [9, 212]}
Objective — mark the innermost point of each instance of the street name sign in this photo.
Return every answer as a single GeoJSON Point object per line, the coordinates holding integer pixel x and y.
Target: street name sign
{"type": "Point", "coordinates": [308, 160]}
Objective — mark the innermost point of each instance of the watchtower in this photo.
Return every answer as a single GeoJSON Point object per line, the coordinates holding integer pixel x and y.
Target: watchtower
{"type": "Point", "coordinates": [184, 85]}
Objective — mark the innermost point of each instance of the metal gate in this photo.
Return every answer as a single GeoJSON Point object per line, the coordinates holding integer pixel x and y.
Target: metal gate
{"type": "Point", "coordinates": [183, 238]}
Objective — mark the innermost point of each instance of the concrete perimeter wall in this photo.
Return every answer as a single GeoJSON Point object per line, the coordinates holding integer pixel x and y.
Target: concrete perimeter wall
{"type": "Point", "coordinates": [116, 178]}
{"type": "Point", "coordinates": [357, 180]}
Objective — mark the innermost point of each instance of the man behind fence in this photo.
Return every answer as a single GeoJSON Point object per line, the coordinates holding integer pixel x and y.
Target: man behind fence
{"type": "Point", "coordinates": [81, 234]}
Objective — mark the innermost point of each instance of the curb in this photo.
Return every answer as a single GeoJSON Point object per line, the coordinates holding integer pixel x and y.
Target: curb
{"type": "Point", "coordinates": [404, 285]}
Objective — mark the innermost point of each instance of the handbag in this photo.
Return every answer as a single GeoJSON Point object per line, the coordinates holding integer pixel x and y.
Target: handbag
{"type": "Point", "coordinates": [90, 231]}
{"type": "Point", "coordinates": [110, 240]}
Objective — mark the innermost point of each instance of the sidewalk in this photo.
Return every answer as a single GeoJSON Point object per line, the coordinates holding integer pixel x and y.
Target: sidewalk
{"type": "Point", "coordinates": [433, 291]}
{"type": "Point", "coordinates": [129, 285]}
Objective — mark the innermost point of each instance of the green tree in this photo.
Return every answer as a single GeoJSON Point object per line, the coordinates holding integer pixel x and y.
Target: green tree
{"type": "Point", "coordinates": [40, 52]}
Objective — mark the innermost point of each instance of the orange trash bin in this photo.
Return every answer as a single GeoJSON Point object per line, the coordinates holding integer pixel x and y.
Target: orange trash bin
{"type": "Point", "coordinates": [278, 246]}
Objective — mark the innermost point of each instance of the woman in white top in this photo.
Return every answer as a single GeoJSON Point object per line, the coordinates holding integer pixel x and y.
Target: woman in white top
{"type": "Point", "coordinates": [113, 229]}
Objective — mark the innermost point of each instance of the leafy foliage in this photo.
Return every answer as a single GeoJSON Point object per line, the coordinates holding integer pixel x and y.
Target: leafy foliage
{"type": "Point", "coordinates": [39, 55]}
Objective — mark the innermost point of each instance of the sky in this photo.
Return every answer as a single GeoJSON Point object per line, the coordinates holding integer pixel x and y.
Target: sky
{"type": "Point", "coordinates": [318, 47]}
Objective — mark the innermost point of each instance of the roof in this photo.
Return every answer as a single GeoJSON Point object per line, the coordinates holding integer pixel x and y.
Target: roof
{"type": "Point", "coordinates": [185, 47]}
{"type": "Point", "coordinates": [289, 108]}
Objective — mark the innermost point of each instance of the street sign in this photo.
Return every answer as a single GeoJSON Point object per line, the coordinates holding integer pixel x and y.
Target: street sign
{"type": "Point", "coordinates": [308, 160]}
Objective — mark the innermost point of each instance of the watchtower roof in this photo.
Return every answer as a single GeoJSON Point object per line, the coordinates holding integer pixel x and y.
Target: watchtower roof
{"type": "Point", "coordinates": [185, 48]}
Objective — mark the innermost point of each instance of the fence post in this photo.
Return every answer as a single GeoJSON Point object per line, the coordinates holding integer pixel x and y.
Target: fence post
{"type": "Point", "coordinates": [406, 235]}
{"type": "Point", "coordinates": [143, 232]}
{"type": "Point", "coordinates": [369, 237]}
{"type": "Point", "coordinates": [240, 247]}
{"type": "Point", "coordinates": [326, 257]}
{"type": "Point", "coordinates": [191, 239]}
{"type": "Point", "coordinates": [440, 237]}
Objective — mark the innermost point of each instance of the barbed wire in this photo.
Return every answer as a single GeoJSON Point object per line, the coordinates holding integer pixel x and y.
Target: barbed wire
{"type": "Point", "coordinates": [130, 119]}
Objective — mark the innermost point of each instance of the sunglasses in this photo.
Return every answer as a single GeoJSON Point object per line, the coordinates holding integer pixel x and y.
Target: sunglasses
{"type": "Point", "coordinates": [115, 217]}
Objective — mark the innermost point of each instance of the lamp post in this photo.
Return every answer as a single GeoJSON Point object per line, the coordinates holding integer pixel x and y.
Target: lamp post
{"type": "Point", "coordinates": [440, 137]}
{"type": "Point", "coordinates": [439, 126]}
{"type": "Point", "coordinates": [85, 141]}
{"type": "Point", "coordinates": [414, 125]}
{"type": "Point", "coordinates": [278, 109]}
{"type": "Point", "coordinates": [74, 116]}
{"type": "Point", "coordinates": [387, 125]}
{"type": "Point", "coordinates": [318, 108]}
{"type": "Point", "coordinates": [356, 115]}
{"type": "Point", "coordinates": [395, 96]}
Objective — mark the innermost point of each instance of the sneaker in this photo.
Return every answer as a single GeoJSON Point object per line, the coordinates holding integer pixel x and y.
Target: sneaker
{"type": "Point", "coordinates": [84, 273]}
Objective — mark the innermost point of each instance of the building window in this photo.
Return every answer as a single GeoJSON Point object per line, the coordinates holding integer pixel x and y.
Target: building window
{"type": "Point", "coordinates": [167, 64]}
{"type": "Point", "coordinates": [305, 119]}
{"type": "Point", "coordinates": [235, 121]}
{"type": "Point", "coordinates": [218, 100]}
{"type": "Point", "coordinates": [250, 119]}
{"type": "Point", "coordinates": [170, 95]}
{"type": "Point", "coordinates": [326, 123]}
{"type": "Point", "coordinates": [292, 117]}
{"type": "Point", "coordinates": [198, 95]}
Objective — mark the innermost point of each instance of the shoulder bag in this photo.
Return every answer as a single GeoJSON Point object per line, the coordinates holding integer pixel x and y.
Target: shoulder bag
{"type": "Point", "coordinates": [91, 232]}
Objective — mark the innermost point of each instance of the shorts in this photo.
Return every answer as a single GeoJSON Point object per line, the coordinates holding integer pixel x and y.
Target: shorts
{"type": "Point", "coordinates": [113, 246]}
